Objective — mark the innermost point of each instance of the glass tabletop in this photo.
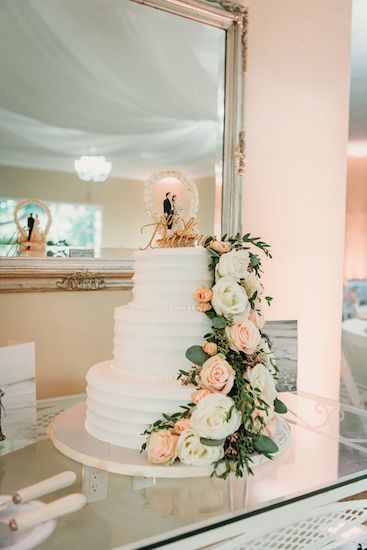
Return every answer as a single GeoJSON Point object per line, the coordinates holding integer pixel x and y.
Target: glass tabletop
{"type": "Point", "coordinates": [328, 449]}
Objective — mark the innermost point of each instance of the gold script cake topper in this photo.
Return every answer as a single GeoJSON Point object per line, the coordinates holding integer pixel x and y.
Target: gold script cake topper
{"type": "Point", "coordinates": [162, 237]}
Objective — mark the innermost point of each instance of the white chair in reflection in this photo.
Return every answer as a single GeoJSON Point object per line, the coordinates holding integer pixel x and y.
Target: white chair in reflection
{"type": "Point", "coordinates": [354, 364]}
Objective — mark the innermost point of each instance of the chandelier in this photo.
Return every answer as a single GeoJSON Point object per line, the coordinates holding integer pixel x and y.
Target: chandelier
{"type": "Point", "coordinates": [92, 168]}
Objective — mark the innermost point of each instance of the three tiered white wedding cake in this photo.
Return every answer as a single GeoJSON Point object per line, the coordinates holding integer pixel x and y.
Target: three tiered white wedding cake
{"type": "Point", "coordinates": [151, 336]}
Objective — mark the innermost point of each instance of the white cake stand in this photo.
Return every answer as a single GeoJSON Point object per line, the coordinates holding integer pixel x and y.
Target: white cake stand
{"type": "Point", "coordinates": [69, 436]}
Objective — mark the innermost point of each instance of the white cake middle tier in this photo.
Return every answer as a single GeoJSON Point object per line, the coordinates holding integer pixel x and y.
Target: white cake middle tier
{"type": "Point", "coordinates": [153, 342]}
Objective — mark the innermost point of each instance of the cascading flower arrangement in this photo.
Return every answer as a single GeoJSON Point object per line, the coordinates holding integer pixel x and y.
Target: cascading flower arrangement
{"type": "Point", "coordinates": [233, 373]}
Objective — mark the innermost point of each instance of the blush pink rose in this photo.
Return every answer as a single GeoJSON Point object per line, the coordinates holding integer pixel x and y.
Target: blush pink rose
{"type": "Point", "coordinates": [203, 307]}
{"type": "Point", "coordinates": [162, 447]}
{"type": "Point", "coordinates": [203, 295]}
{"type": "Point", "coordinates": [220, 246]}
{"type": "Point", "coordinates": [198, 395]}
{"type": "Point", "coordinates": [210, 348]}
{"type": "Point", "coordinates": [217, 374]}
{"type": "Point", "coordinates": [243, 336]}
{"type": "Point", "coordinates": [256, 317]}
{"type": "Point", "coordinates": [182, 425]}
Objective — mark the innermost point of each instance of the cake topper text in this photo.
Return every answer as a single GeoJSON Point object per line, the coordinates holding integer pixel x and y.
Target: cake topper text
{"type": "Point", "coordinates": [163, 237]}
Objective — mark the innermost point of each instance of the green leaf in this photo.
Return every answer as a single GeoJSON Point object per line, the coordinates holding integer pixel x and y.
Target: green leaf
{"type": "Point", "coordinates": [211, 313]}
{"type": "Point", "coordinates": [280, 407]}
{"type": "Point", "coordinates": [254, 260]}
{"type": "Point", "coordinates": [264, 444]}
{"type": "Point", "coordinates": [218, 322]}
{"type": "Point", "coordinates": [229, 413]}
{"type": "Point", "coordinates": [212, 442]}
{"type": "Point", "coordinates": [197, 355]}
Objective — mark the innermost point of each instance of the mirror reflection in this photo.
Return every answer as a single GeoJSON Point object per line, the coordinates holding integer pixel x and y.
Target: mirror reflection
{"type": "Point", "coordinates": [95, 98]}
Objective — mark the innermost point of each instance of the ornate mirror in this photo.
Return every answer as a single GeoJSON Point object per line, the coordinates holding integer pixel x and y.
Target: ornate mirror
{"type": "Point", "coordinates": [106, 97]}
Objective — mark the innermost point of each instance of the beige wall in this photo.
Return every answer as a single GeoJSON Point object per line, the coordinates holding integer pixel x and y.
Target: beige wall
{"type": "Point", "coordinates": [72, 331]}
{"type": "Point", "coordinates": [294, 196]}
{"type": "Point", "coordinates": [122, 200]}
{"type": "Point", "coordinates": [355, 266]}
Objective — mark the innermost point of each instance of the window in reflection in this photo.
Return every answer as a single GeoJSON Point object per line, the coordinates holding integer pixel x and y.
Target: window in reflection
{"type": "Point", "coordinates": [73, 226]}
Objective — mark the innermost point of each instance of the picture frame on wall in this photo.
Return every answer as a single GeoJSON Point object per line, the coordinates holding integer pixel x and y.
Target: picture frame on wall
{"type": "Point", "coordinates": [18, 413]}
{"type": "Point", "coordinates": [284, 342]}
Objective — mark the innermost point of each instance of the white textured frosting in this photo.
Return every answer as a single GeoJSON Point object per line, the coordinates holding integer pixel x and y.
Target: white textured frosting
{"type": "Point", "coordinates": [153, 342]}
{"type": "Point", "coordinates": [151, 337]}
{"type": "Point", "coordinates": [121, 406]}
{"type": "Point", "coordinates": [169, 276]}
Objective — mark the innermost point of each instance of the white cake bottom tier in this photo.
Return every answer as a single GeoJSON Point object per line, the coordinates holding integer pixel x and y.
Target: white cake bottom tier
{"type": "Point", "coordinates": [121, 406]}
{"type": "Point", "coordinates": [154, 342]}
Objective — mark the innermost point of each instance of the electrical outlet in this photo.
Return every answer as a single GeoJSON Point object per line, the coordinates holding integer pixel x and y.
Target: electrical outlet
{"type": "Point", "coordinates": [94, 483]}
{"type": "Point", "coordinates": [140, 482]}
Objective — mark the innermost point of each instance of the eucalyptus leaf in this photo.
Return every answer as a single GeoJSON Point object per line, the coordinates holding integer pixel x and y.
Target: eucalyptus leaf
{"type": "Point", "coordinates": [211, 314]}
{"type": "Point", "coordinates": [197, 355]}
{"type": "Point", "coordinates": [212, 442]}
{"type": "Point", "coordinates": [264, 444]}
{"type": "Point", "coordinates": [218, 322]}
{"type": "Point", "coordinates": [280, 407]}
{"type": "Point", "coordinates": [254, 261]}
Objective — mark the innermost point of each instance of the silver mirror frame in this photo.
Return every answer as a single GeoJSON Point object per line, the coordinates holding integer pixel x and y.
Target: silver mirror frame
{"type": "Point", "coordinates": [37, 275]}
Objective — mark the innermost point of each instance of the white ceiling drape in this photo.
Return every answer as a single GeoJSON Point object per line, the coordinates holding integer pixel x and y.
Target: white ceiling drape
{"type": "Point", "coordinates": [136, 84]}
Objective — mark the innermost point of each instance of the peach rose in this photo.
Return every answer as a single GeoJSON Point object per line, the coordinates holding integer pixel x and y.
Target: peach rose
{"type": "Point", "coordinates": [217, 374]}
{"type": "Point", "coordinates": [257, 317]}
{"type": "Point", "coordinates": [203, 295]}
{"type": "Point", "coordinates": [210, 348]}
{"type": "Point", "coordinates": [203, 307]}
{"type": "Point", "coordinates": [162, 447]}
{"type": "Point", "coordinates": [181, 425]}
{"type": "Point", "coordinates": [198, 395]}
{"type": "Point", "coordinates": [243, 336]}
{"type": "Point", "coordinates": [220, 246]}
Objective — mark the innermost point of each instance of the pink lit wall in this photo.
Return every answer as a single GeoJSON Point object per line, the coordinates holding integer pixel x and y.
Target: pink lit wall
{"type": "Point", "coordinates": [355, 266]}
{"type": "Point", "coordinates": [297, 99]}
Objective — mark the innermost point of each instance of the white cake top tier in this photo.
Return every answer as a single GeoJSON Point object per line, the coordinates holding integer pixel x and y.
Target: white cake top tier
{"type": "Point", "coordinates": [168, 277]}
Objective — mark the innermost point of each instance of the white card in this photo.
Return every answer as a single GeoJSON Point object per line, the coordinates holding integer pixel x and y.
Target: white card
{"type": "Point", "coordinates": [18, 414]}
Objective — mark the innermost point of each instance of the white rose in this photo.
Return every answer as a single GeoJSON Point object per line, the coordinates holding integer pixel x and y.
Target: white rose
{"type": "Point", "coordinates": [260, 378]}
{"type": "Point", "coordinates": [233, 264]}
{"type": "Point", "coordinates": [192, 452]}
{"type": "Point", "coordinates": [229, 298]}
{"type": "Point", "coordinates": [210, 417]}
{"type": "Point", "coordinates": [267, 356]}
{"type": "Point", "coordinates": [252, 284]}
